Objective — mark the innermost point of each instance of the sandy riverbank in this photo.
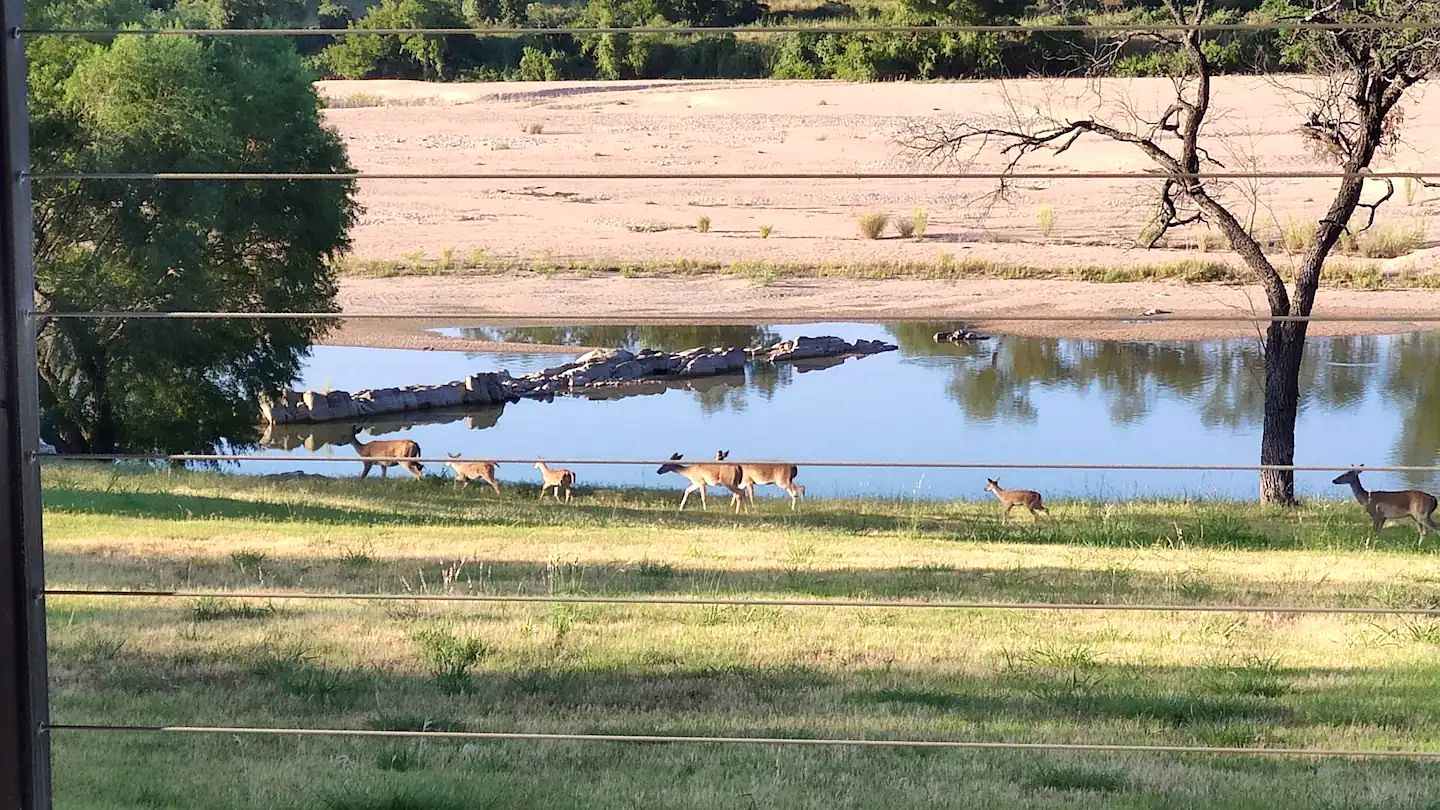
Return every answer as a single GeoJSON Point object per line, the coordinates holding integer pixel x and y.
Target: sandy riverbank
{"type": "Point", "coordinates": [828, 128]}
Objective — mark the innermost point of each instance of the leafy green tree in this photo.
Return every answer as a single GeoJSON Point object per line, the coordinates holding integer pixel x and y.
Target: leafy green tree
{"type": "Point", "coordinates": [177, 104]}
{"type": "Point", "coordinates": [405, 56]}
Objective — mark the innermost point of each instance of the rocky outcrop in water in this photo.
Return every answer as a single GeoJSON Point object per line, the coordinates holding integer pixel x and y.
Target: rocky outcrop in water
{"type": "Point", "coordinates": [808, 348]}
{"type": "Point", "coordinates": [590, 373]}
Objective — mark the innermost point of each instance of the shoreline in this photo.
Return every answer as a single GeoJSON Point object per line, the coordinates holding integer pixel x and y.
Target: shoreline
{"type": "Point", "coordinates": [534, 299]}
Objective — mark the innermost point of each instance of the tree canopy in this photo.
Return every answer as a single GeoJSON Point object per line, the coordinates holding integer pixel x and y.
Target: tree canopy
{"type": "Point", "coordinates": [176, 104]}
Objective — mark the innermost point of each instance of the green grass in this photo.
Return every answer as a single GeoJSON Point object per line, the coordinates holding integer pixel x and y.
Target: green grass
{"type": "Point", "coordinates": [1188, 678]}
{"type": "Point", "coordinates": [1339, 273]}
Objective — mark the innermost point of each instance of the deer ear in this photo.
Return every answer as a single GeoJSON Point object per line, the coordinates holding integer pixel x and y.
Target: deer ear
{"type": "Point", "coordinates": [676, 456]}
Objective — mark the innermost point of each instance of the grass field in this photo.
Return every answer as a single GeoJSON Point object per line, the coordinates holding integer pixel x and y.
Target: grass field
{"type": "Point", "coordinates": [1339, 273]}
{"type": "Point", "coordinates": [1100, 677]}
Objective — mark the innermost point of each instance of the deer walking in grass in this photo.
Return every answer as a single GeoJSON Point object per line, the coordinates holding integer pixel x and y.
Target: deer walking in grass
{"type": "Point", "coordinates": [781, 475]}
{"type": "Point", "coordinates": [1011, 498]}
{"type": "Point", "coordinates": [703, 476]}
{"type": "Point", "coordinates": [556, 480]}
{"type": "Point", "coordinates": [1382, 506]}
{"type": "Point", "coordinates": [467, 471]}
{"type": "Point", "coordinates": [387, 453]}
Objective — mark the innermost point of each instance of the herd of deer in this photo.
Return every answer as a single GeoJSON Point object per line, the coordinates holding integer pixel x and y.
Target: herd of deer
{"type": "Point", "coordinates": [741, 479]}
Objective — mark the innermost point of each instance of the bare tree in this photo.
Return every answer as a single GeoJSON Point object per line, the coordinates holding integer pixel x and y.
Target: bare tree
{"type": "Point", "coordinates": [1352, 116]}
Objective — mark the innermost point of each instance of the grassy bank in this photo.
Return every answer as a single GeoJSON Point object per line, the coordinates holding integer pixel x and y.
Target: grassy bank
{"type": "Point", "coordinates": [1204, 679]}
{"type": "Point", "coordinates": [1340, 273]}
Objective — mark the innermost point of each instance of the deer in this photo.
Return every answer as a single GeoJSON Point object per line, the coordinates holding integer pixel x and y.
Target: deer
{"type": "Point", "coordinates": [1382, 506]}
{"type": "Point", "coordinates": [703, 476]}
{"type": "Point", "coordinates": [467, 471]}
{"type": "Point", "coordinates": [555, 479]}
{"type": "Point", "coordinates": [1028, 498]}
{"type": "Point", "coordinates": [387, 453]}
{"type": "Point", "coordinates": [781, 475]}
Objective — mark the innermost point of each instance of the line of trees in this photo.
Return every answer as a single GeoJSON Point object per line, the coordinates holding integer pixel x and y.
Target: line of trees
{"type": "Point", "coordinates": [852, 56]}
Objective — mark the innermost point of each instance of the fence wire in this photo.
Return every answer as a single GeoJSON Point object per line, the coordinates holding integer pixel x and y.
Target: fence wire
{"type": "Point", "coordinates": [444, 315]}
{"type": "Point", "coordinates": [718, 601]}
{"type": "Point", "coordinates": [849, 28]}
{"type": "Point", "coordinates": [1328, 753]}
{"type": "Point", "coordinates": [690, 177]}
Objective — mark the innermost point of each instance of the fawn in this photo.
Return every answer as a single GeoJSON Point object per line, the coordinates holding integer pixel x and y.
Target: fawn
{"type": "Point", "coordinates": [467, 471]}
{"type": "Point", "coordinates": [556, 480]}
{"type": "Point", "coordinates": [1012, 498]}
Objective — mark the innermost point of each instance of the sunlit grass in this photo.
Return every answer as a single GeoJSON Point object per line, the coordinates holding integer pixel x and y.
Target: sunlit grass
{"type": "Point", "coordinates": [1194, 679]}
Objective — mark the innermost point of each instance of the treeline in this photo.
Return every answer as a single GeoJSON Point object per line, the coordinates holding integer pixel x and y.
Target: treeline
{"type": "Point", "coordinates": [869, 56]}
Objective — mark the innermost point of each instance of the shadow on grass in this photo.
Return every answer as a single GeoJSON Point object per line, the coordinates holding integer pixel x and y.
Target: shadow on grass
{"type": "Point", "coordinates": [348, 572]}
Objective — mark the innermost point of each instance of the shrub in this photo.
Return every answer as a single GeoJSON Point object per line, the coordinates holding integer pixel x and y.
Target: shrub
{"type": "Point", "coordinates": [765, 231]}
{"type": "Point", "coordinates": [540, 66]}
{"type": "Point", "coordinates": [1388, 242]}
{"type": "Point", "coordinates": [905, 226]}
{"type": "Point", "coordinates": [1297, 236]}
{"type": "Point", "coordinates": [1046, 220]}
{"type": "Point", "coordinates": [872, 224]}
{"type": "Point", "coordinates": [450, 658]}
{"type": "Point", "coordinates": [921, 220]}
{"type": "Point", "coordinates": [533, 128]}
{"type": "Point", "coordinates": [703, 224]}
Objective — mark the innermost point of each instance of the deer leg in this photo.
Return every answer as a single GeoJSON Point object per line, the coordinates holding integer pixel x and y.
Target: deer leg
{"type": "Point", "coordinates": [1008, 507]}
{"type": "Point", "coordinates": [416, 470]}
{"type": "Point", "coordinates": [750, 489]}
{"type": "Point", "coordinates": [738, 498]}
{"type": "Point", "coordinates": [384, 470]}
{"type": "Point", "coordinates": [494, 486]}
{"type": "Point", "coordinates": [794, 495]}
{"type": "Point", "coordinates": [1376, 524]}
{"type": "Point", "coordinates": [686, 496]}
{"type": "Point", "coordinates": [543, 487]}
{"type": "Point", "coordinates": [366, 471]}
{"type": "Point", "coordinates": [703, 504]}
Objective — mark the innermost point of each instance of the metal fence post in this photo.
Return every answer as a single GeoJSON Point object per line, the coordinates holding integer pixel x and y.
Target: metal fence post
{"type": "Point", "coordinates": [24, 742]}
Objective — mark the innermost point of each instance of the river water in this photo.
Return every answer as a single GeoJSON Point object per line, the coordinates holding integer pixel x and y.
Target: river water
{"type": "Point", "coordinates": [1371, 399]}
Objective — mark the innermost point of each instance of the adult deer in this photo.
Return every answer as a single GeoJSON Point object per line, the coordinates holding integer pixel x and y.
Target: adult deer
{"type": "Point", "coordinates": [556, 480]}
{"type": "Point", "coordinates": [387, 453]}
{"type": "Point", "coordinates": [1011, 498]}
{"type": "Point", "coordinates": [1382, 506]}
{"type": "Point", "coordinates": [467, 471]}
{"type": "Point", "coordinates": [703, 476]}
{"type": "Point", "coordinates": [781, 475]}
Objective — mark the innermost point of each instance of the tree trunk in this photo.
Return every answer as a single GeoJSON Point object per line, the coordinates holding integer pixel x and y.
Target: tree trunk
{"type": "Point", "coordinates": [1284, 349]}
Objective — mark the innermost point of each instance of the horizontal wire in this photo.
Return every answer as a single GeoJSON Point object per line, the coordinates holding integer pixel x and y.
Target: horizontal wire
{"type": "Point", "coordinates": [442, 315]}
{"type": "Point", "coordinates": [773, 741]}
{"type": "Point", "coordinates": [921, 465]}
{"type": "Point", "coordinates": [718, 601]}
{"type": "Point", "coordinates": [172, 176]}
{"type": "Point", "coordinates": [850, 28]}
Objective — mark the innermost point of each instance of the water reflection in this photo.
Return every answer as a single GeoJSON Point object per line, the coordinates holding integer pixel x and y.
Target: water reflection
{"type": "Point", "coordinates": [665, 338]}
{"type": "Point", "coordinates": [1370, 399]}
